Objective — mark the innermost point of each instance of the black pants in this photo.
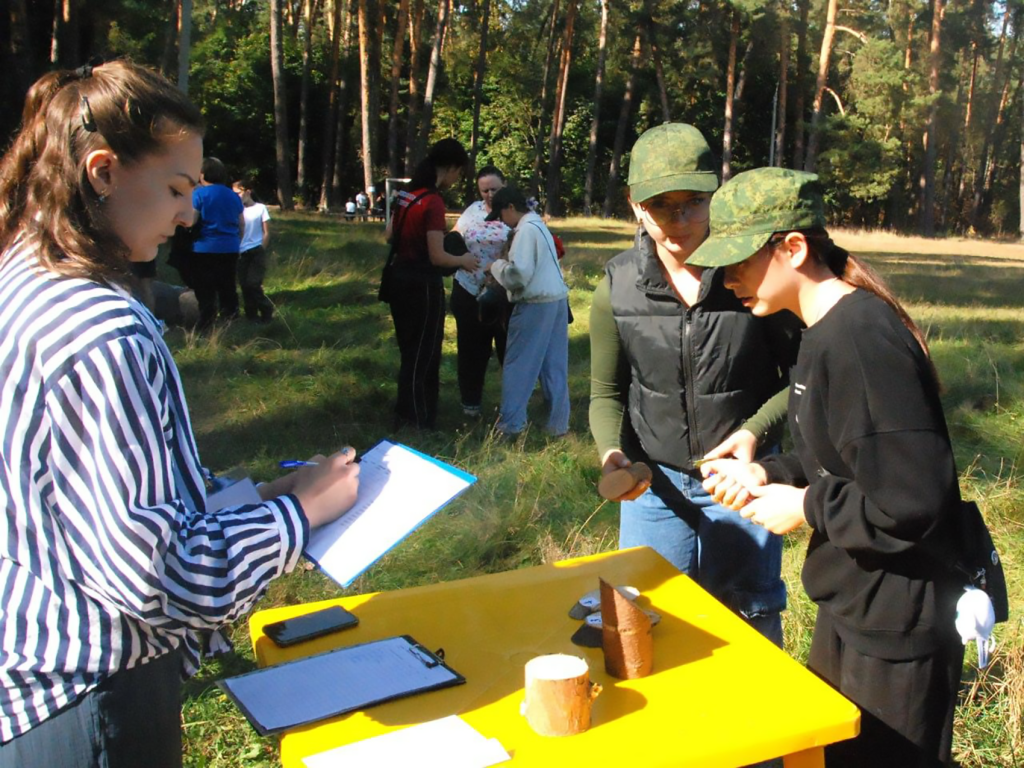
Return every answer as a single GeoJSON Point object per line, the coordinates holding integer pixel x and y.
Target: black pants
{"type": "Point", "coordinates": [906, 706]}
{"type": "Point", "coordinates": [213, 280]}
{"type": "Point", "coordinates": [132, 718]}
{"type": "Point", "coordinates": [252, 268]}
{"type": "Point", "coordinates": [417, 309]}
{"type": "Point", "coordinates": [475, 339]}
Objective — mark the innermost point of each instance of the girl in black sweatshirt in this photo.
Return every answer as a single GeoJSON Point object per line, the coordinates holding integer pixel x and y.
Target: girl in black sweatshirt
{"type": "Point", "coordinates": [872, 470]}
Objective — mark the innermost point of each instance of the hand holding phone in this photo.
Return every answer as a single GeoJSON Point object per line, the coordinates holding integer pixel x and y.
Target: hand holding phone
{"type": "Point", "coordinates": [310, 625]}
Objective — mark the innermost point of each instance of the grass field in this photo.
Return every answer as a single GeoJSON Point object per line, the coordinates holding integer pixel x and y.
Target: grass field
{"type": "Point", "coordinates": [322, 375]}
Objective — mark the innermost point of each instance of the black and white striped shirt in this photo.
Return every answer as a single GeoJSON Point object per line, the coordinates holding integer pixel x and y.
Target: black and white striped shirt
{"type": "Point", "coordinates": [108, 558]}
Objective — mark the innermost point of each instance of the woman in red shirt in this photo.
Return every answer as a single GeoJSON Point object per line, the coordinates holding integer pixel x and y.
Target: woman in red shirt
{"type": "Point", "coordinates": [415, 289]}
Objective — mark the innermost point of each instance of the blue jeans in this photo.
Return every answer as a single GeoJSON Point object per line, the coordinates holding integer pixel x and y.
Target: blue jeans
{"type": "Point", "coordinates": [538, 347]}
{"type": "Point", "coordinates": [738, 562]}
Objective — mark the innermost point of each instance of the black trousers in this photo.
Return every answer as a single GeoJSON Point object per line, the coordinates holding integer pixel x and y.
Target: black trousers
{"type": "Point", "coordinates": [252, 268]}
{"type": "Point", "coordinates": [906, 706]}
{"type": "Point", "coordinates": [213, 280]}
{"type": "Point", "coordinates": [475, 340]}
{"type": "Point", "coordinates": [417, 309]}
{"type": "Point", "coordinates": [133, 718]}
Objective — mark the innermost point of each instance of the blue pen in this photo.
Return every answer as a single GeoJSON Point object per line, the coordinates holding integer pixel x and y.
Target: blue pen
{"type": "Point", "coordinates": [293, 463]}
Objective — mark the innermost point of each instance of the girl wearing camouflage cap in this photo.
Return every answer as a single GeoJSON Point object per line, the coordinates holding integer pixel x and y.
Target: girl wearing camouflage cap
{"type": "Point", "coordinates": [680, 370]}
{"type": "Point", "coordinates": [872, 473]}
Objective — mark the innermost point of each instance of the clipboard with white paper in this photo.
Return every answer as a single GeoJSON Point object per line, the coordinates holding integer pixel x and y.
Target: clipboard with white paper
{"type": "Point", "coordinates": [399, 488]}
{"type": "Point", "coordinates": [339, 681]}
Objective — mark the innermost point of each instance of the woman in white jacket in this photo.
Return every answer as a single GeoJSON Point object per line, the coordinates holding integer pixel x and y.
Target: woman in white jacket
{"type": "Point", "coordinates": [538, 332]}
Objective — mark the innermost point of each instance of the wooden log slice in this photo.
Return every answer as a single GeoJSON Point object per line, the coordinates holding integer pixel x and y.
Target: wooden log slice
{"type": "Point", "coordinates": [626, 636]}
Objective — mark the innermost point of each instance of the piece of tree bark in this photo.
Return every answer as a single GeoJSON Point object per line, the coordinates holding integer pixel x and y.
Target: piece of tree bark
{"type": "Point", "coordinates": [626, 635]}
{"type": "Point", "coordinates": [281, 148]}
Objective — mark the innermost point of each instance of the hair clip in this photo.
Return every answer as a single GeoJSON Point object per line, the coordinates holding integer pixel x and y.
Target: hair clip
{"type": "Point", "coordinates": [87, 119]}
{"type": "Point", "coordinates": [84, 71]}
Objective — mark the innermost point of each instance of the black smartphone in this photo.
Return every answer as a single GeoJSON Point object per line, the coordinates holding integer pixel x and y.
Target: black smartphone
{"type": "Point", "coordinates": [310, 625]}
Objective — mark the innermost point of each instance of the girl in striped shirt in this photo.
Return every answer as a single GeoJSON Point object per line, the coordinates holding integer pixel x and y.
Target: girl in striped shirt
{"type": "Point", "coordinates": [111, 564]}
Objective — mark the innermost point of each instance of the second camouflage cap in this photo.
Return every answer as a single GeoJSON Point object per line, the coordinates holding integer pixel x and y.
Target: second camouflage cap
{"type": "Point", "coordinates": [670, 158]}
{"type": "Point", "coordinates": [751, 207]}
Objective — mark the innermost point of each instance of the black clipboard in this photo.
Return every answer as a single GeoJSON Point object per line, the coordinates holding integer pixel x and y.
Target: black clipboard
{"type": "Point", "coordinates": [344, 680]}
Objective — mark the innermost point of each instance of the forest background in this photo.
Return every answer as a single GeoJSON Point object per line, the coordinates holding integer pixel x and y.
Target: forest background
{"type": "Point", "coordinates": [911, 110]}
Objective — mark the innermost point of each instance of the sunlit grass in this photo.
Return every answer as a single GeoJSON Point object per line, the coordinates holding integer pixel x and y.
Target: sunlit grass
{"type": "Point", "coordinates": [322, 376]}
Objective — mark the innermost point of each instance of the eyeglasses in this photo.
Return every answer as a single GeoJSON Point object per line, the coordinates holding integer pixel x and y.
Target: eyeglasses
{"type": "Point", "coordinates": [693, 210]}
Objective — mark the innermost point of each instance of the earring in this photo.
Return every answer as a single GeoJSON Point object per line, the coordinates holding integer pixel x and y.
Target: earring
{"type": "Point", "coordinates": [103, 197]}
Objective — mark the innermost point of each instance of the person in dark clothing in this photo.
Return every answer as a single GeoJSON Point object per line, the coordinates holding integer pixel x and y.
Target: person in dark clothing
{"type": "Point", "coordinates": [680, 370]}
{"type": "Point", "coordinates": [872, 471]}
{"type": "Point", "coordinates": [220, 215]}
{"type": "Point", "coordinates": [414, 289]}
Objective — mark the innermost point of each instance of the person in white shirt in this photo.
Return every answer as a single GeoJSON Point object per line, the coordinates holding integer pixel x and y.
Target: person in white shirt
{"type": "Point", "coordinates": [538, 332]}
{"type": "Point", "coordinates": [252, 258]}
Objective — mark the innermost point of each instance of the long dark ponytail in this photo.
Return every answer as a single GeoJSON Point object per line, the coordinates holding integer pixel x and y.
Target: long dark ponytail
{"type": "Point", "coordinates": [857, 273]}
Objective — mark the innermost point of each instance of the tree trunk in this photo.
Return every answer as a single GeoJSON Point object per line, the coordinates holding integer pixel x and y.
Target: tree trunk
{"type": "Point", "coordinates": [1021, 189]}
{"type": "Point", "coordinates": [659, 72]}
{"type": "Point", "coordinates": [552, 203]}
{"type": "Point", "coordinates": [780, 128]}
{"type": "Point", "coordinates": [953, 142]}
{"type": "Point", "coordinates": [170, 39]}
{"type": "Point", "coordinates": [21, 48]}
{"type": "Point", "coordinates": [64, 40]}
{"type": "Point", "coordinates": [611, 188]}
{"type": "Point", "coordinates": [602, 52]}
{"type": "Point", "coordinates": [819, 86]}
{"type": "Point", "coordinates": [284, 180]}
{"type": "Point", "coordinates": [801, 67]}
{"type": "Point", "coordinates": [538, 147]}
{"type": "Point", "coordinates": [331, 124]}
{"type": "Point", "coordinates": [337, 178]}
{"type": "Point", "coordinates": [927, 218]}
{"type": "Point", "coordinates": [185, 44]}
{"type": "Point", "coordinates": [364, 93]}
{"type": "Point", "coordinates": [478, 85]}
{"type": "Point", "coordinates": [412, 111]}
{"type": "Point", "coordinates": [432, 74]}
{"type": "Point", "coordinates": [312, 8]}
{"type": "Point", "coordinates": [730, 88]}
{"type": "Point", "coordinates": [984, 176]}
{"type": "Point", "coordinates": [397, 54]}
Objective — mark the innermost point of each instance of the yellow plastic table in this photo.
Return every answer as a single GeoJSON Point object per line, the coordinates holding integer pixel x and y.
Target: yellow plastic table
{"type": "Point", "coordinates": [719, 695]}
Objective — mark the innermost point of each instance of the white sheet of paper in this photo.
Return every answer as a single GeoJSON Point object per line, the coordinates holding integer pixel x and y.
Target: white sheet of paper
{"type": "Point", "coordinates": [450, 742]}
{"type": "Point", "coordinates": [398, 490]}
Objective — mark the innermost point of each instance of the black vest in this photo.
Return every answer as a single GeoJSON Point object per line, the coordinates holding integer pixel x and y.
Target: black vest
{"type": "Point", "coordinates": [699, 372]}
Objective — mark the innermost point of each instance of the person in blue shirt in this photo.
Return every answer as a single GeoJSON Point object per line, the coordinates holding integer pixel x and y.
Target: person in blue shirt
{"type": "Point", "coordinates": [221, 218]}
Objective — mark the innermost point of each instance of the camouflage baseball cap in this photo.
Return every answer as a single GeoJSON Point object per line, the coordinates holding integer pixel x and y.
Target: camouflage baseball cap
{"type": "Point", "coordinates": [751, 207]}
{"type": "Point", "coordinates": [669, 158]}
